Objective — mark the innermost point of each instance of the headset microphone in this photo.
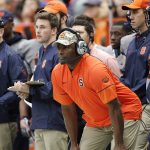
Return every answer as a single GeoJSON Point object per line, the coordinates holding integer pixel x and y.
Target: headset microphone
{"type": "Point", "coordinates": [147, 16]}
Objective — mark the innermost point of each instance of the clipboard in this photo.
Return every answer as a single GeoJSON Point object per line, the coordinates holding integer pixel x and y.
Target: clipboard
{"type": "Point", "coordinates": [12, 89]}
{"type": "Point", "coordinates": [35, 83]}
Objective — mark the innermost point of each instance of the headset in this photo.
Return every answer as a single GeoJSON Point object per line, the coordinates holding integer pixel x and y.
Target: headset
{"type": "Point", "coordinates": [81, 46]}
{"type": "Point", "coordinates": [147, 16]}
{"type": "Point", "coordinates": [2, 23]}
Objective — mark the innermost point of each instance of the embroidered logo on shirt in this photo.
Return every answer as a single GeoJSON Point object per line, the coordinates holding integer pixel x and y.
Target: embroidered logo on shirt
{"type": "Point", "coordinates": [44, 63]}
{"type": "Point", "coordinates": [105, 79]}
{"type": "Point", "coordinates": [143, 50]}
{"type": "Point", "coordinates": [81, 83]}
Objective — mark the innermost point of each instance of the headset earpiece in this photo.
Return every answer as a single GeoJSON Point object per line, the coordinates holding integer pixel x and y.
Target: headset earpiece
{"type": "Point", "coordinates": [81, 46]}
{"type": "Point", "coordinates": [1, 23]}
{"type": "Point", "coordinates": [147, 12]}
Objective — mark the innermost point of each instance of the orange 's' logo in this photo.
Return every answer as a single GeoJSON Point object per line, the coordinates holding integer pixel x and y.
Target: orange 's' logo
{"type": "Point", "coordinates": [143, 50]}
{"type": "Point", "coordinates": [44, 63]}
{"type": "Point", "coordinates": [62, 35]}
{"type": "Point", "coordinates": [81, 83]}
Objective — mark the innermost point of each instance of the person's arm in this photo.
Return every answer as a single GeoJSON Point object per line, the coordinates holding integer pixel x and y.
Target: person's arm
{"type": "Point", "coordinates": [68, 107]}
{"type": "Point", "coordinates": [45, 92]}
{"type": "Point", "coordinates": [24, 114]}
{"type": "Point", "coordinates": [16, 72]}
{"type": "Point", "coordinates": [23, 109]}
{"type": "Point", "coordinates": [117, 123]}
{"type": "Point", "coordinates": [70, 118]}
{"type": "Point", "coordinates": [114, 67]}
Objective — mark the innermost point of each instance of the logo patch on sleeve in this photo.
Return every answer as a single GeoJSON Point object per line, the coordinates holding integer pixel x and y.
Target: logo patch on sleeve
{"type": "Point", "coordinates": [105, 79]}
{"type": "Point", "coordinates": [143, 50]}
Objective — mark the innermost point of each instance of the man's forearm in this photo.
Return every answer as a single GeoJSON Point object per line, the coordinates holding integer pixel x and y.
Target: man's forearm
{"type": "Point", "coordinates": [117, 121]}
{"type": "Point", "coordinates": [23, 108]}
{"type": "Point", "coordinates": [70, 118]}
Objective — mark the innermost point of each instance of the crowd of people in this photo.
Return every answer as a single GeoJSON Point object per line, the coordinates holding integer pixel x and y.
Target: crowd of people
{"type": "Point", "coordinates": [72, 77]}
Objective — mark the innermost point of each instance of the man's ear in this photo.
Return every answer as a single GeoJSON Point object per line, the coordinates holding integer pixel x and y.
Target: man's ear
{"type": "Point", "coordinates": [2, 31]}
{"type": "Point", "coordinates": [54, 31]}
{"type": "Point", "coordinates": [91, 37]}
{"type": "Point", "coordinates": [64, 20]}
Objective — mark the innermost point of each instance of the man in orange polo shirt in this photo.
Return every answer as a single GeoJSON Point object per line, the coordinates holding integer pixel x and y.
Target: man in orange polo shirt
{"type": "Point", "coordinates": [86, 81]}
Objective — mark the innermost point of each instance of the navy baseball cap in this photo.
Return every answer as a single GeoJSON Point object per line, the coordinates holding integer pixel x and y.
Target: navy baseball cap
{"type": "Point", "coordinates": [6, 16]}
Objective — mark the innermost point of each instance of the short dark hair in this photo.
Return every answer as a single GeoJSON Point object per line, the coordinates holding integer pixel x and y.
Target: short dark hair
{"type": "Point", "coordinates": [86, 18]}
{"type": "Point", "coordinates": [88, 27]}
{"type": "Point", "coordinates": [63, 15]}
{"type": "Point", "coordinates": [53, 20]}
{"type": "Point", "coordinates": [126, 27]}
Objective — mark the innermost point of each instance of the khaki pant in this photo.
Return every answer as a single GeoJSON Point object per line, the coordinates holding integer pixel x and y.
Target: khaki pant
{"type": "Point", "coordinates": [142, 139]}
{"type": "Point", "coordinates": [8, 132]}
{"type": "Point", "coordinates": [50, 140]}
{"type": "Point", "coordinates": [131, 129]}
{"type": "Point", "coordinates": [99, 138]}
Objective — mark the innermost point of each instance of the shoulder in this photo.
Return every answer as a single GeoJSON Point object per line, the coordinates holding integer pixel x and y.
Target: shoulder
{"type": "Point", "coordinates": [102, 55]}
{"type": "Point", "coordinates": [52, 49]}
{"type": "Point", "coordinates": [94, 63]}
{"type": "Point", "coordinates": [53, 54]}
{"type": "Point", "coordinates": [9, 51]}
{"type": "Point", "coordinates": [12, 56]}
{"type": "Point", "coordinates": [109, 50]}
{"type": "Point", "coordinates": [98, 73]}
{"type": "Point", "coordinates": [57, 72]}
{"type": "Point", "coordinates": [58, 68]}
{"type": "Point", "coordinates": [90, 60]}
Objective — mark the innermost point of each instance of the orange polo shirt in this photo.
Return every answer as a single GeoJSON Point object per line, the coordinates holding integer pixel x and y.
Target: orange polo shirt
{"type": "Point", "coordinates": [91, 86]}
